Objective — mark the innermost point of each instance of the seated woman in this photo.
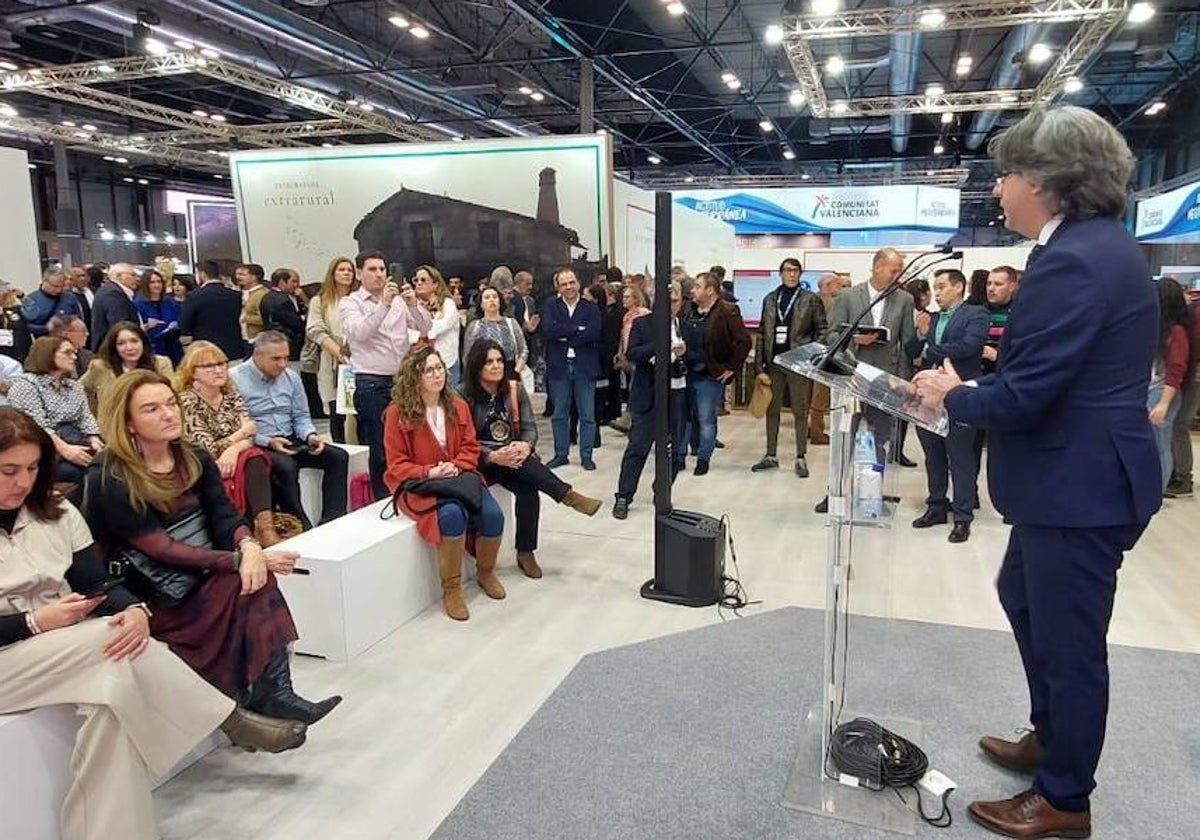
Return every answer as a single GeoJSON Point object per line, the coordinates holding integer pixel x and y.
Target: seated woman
{"type": "Point", "coordinates": [125, 348]}
{"type": "Point", "coordinates": [49, 393]}
{"type": "Point", "coordinates": [233, 627]}
{"type": "Point", "coordinates": [428, 433]}
{"type": "Point", "coordinates": [142, 709]}
{"type": "Point", "coordinates": [507, 432]}
{"type": "Point", "coordinates": [215, 419]}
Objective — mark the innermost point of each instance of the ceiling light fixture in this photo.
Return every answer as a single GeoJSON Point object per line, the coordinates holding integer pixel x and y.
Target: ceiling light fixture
{"type": "Point", "coordinates": [326, 145]}
{"type": "Point", "coordinates": [788, 154]}
{"type": "Point", "coordinates": [733, 84]}
{"type": "Point", "coordinates": [934, 91]}
{"type": "Point", "coordinates": [8, 111]}
{"type": "Point", "coordinates": [939, 149]}
{"type": "Point", "coordinates": [676, 9]}
{"type": "Point", "coordinates": [217, 118]}
{"type": "Point", "coordinates": [689, 179]}
{"type": "Point", "coordinates": [199, 113]}
{"type": "Point", "coordinates": [766, 125]}
{"type": "Point", "coordinates": [654, 160]}
{"type": "Point", "coordinates": [537, 96]}
{"type": "Point", "coordinates": [839, 107]}
{"type": "Point", "coordinates": [7, 65]}
{"type": "Point", "coordinates": [219, 177]}
{"type": "Point", "coordinates": [804, 176]}
{"type": "Point", "coordinates": [107, 235]}
{"type": "Point", "coordinates": [68, 124]}
{"type": "Point", "coordinates": [128, 236]}
{"type": "Point", "coordinates": [83, 135]}
{"type": "Point", "coordinates": [525, 90]}
{"type": "Point", "coordinates": [149, 237]}
{"type": "Point", "coordinates": [88, 127]}
{"type": "Point", "coordinates": [106, 68]}
{"type": "Point", "coordinates": [834, 65]}
{"type": "Point", "coordinates": [1009, 98]}
{"type": "Point", "coordinates": [366, 106]}
{"type": "Point", "coordinates": [169, 239]}
{"type": "Point", "coordinates": [399, 21]}
{"type": "Point", "coordinates": [947, 118]}
{"type": "Point", "coordinates": [127, 180]}
{"type": "Point", "coordinates": [1072, 85]}
{"type": "Point", "coordinates": [419, 32]}
{"type": "Point", "coordinates": [184, 44]}
{"type": "Point", "coordinates": [209, 52]}
{"type": "Point", "coordinates": [155, 47]}
{"type": "Point", "coordinates": [932, 18]}
{"type": "Point", "coordinates": [773, 34]}
{"type": "Point", "coordinates": [143, 182]}
{"type": "Point", "coordinates": [825, 8]}
{"type": "Point", "coordinates": [796, 98]}
{"type": "Point", "coordinates": [1039, 53]}
{"type": "Point", "coordinates": [1156, 108]}
{"type": "Point", "coordinates": [728, 76]}
{"type": "Point", "coordinates": [121, 160]}
{"type": "Point", "coordinates": [1140, 12]}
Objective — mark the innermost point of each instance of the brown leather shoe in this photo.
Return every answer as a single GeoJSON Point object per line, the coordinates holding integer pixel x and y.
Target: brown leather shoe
{"type": "Point", "coordinates": [252, 731]}
{"type": "Point", "coordinates": [1023, 756]}
{"type": "Point", "coordinates": [1029, 815]}
{"type": "Point", "coordinates": [527, 563]}
{"type": "Point", "coordinates": [264, 529]}
{"type": "Point", "coordinates": [579, 502]}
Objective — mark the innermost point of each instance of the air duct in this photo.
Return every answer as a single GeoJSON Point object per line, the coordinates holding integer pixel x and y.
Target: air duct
{"type": "Point", "coordinates": [906, 57]}
{"type": "Point", "coordinates": [1007, 76]}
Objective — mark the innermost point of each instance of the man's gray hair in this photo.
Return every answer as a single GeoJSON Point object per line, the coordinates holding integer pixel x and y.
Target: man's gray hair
{"type": "Point", "coordinates": [59, 324]}
{"type": "Point", "coordinates": [502, 278]}
{"type": "Point", "coordinates": [884, 254]}
{"type": "Point", "coordinates": [1081, 162]}
{"type": "Point", "coordinates": [827, 278]}
{"type": "Point", "coordinates": [268, 338]}
{"type": "Point", "coordinates": [676, 288]}
{"type": "Point", "coordinates": [54, 272]}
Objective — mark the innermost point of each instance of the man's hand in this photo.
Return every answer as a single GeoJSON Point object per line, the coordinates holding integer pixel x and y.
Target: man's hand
{"type": "Point", "coordinates": [726, 376]}
{"type": "Point", "coordinates": [80, 456]}
{"type": "Point", "coordinates": [934, 384]}
{"type": "Point", "coordinates": [533, 321]}
{"type": "Point", "coordinates": [1158, 414]}
{"type": "Point", "coordinates": [408, 295]}
{"type": "Point", "coordinates": [989, 353]}
{"type": "Point", "coordinates": [316, 445]}
{"type": "Point", "coordinates": [68, 610]}
{"type": "Point", "coordinates": [278, 444]}
{"type": "Point", "coordinates": [865, 340]}
{"type": "Point", "coordinates": [130, 636]}
{"type": "Point", "coordinates": [390, 290]}
{"type": "Point", "coordinates": [924, 321]}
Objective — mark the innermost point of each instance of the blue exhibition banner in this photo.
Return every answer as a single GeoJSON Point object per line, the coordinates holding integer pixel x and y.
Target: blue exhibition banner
{"type": "Point", "coordinates": [1172, 214]}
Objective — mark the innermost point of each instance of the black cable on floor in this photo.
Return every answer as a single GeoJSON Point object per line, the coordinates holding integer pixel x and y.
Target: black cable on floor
{"type": "Point", "coordinates": [734, 596]}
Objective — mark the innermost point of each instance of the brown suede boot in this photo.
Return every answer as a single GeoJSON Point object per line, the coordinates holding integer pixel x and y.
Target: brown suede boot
{"type": "Point", "coordinates": [486, 550]}
{"type": "Point", "coordinates": [581, 503]}
{"type": "Point", "coordinates": [264, 529]}
{"type": "Point", "coordinates": [528, 564]}
{"type": "Point", "coordinates": [450, 557]}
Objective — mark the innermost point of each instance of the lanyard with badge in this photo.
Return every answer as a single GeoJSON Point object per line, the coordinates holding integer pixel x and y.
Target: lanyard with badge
{"type": "Point", "coordinates": [781, 316]}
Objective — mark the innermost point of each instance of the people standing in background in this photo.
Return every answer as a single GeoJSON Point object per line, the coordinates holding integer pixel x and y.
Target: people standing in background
{"type": "Point", "coordinates": [828, 288]}
{"type": "Point", "coordinates": [324, 330]}
{"type": "Point", "coordinates": [51, 298]}
{"type": "Point", "coordinates": [213, 313]}
{"type": "Point", "coordinates": [250, 279]}
{"type": "Point", "coordinates": [283, 311]}
{"type": "Point", "coordinates": [492, 324]}
{"type": "Point", "coordinates": [15, 338]}
{"type": "Point", "coordinates": [113, 303]}
{"type": "Point", "coordinates": [79, 283]}
{"type": "Point", "coordinates": [445, 329]}
{"type": "Point", "coordinates": [572, 327]}
{"type": "Point", "coordinates": [1180, 485]}
{"type": "Point", "coordinates": [1002, 285]}
{"type": "Point", "coordinates": [376, 319]}
{"type": "Point", "coordinates": [74, 330]}
{"type": "Point", "coordinates": [977, 291]}
{"type": "Point", "coordinates": [922, 295]}
{"type": "Point", "coordinates": [160, 315]}
{"type": "Point", "coordinates": [525, 313]}
{"type": "Point", "coordinates": [608, 387]}
{"type": "Point", "coordinates": [1171, 369]}
{"type": "Point", "coordinates": [181, 287]}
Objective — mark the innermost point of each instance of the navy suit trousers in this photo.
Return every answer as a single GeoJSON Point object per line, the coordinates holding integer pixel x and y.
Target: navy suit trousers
{"type": "Point", "coordinates": [1057, 587]}
{"type": "Point", "coordinates": [951, 458]}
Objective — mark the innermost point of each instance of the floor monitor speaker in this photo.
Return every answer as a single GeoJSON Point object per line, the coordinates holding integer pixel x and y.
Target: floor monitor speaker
{"type": "Point", "coordinates": [689, 559]}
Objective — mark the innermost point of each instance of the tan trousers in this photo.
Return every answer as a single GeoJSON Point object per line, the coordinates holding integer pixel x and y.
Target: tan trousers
{"type": "Point", "coordinates": [818, 411]}
{"type": "Point", "coordinates": [798, 390]}
{"type": "Point", "coordinates": [140, 717]}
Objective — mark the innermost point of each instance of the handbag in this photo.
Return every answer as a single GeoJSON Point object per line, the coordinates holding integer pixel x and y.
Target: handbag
{"type": "Point", "coordinates": [464, 488]}
{"type": "Point", "coordinates": [527, 380]}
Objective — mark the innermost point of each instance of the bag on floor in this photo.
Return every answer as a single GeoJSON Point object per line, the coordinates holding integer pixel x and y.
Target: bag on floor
{"type": "Point", "coordinates": [760, 401]}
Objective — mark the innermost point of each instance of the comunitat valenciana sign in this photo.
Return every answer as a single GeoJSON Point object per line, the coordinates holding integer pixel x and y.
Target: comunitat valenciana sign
{"type": "Point", "coordinates": [1170, 215]}
{"type": "Point", "coordinates": [829, 209]}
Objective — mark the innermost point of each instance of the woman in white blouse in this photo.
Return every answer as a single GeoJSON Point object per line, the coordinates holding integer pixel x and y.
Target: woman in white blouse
{"type": "Point", "coordinates": [445, 330]}
{"type": "Point", "coordinates": [324, 329]}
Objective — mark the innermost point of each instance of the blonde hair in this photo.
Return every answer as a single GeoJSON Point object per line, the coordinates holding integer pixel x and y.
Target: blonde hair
{"type": "Point", "coordinates": [200, 353]}
{"type": "Point", "coordinates": [123, 460]}
{"type": "Point", "coordinates": [331, 292]}
{"type": "Point", "coordinates": [639, 297]}
{"type": "Point", "coordinates": [440, 290]}
{"type": "Point", "coordinates": [406, 389]}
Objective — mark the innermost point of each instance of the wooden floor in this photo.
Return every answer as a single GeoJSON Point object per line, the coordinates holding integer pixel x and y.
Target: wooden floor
{"type": "Point", "coordinates": [429, 708]}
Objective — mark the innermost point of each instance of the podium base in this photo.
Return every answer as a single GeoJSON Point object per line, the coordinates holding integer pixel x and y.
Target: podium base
{"type": "Point", "coordinates": [811, 791]}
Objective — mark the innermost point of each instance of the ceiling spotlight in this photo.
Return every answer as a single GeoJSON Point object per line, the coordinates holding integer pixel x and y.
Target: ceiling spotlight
{"type": "Point", "coordinates": [1140, 12]}
{"type": "Point", "coordinates": [788, 154]}
{"type": "Point", "coordinates": [537, 96]}
{"type": "Point", "coordinates": [796, 98]}
{"type": "Point", "coordinates": [654, 160]}
{"type": "Point", "coordinates": [766, 125]}
{"type": "Point", "coordinates": [963, 66]}
{"type": "Point", "coordinates": [83, 135]}
{"type": "Point", "coordinates": [525, 90]}
{"type": "Point", "coordinates": [169, 239]}
{"type": "Point", "coordinates": [675, 8]}
{"type": "Point", "coordinates": [420, 32]}
{"type": "Point", "coordinates": [939, 149]}
{"type": "Point", "coordinates": [155, 47]}
{"type": "Point", "coordinates": [399, 21]}
{"type": "Point", "coordinates": [1156, 108]}
{"type": "Point", "coordinates": [218, 118]}
{"type": "Point", "coordinates": [1072, 85]}
{"type": "Point", "coordinates": [127, 180]}
{"type": "Point", "coordinates": [128, 236]}
{"type": "Point", "coordinates": [932, 18]}
{"type": "Point", "coordinates": [728, 76]}
{"type": "Point", "coordinates": [804, 176]}
{"type": "Point", "coordinates": [143, 181]}
{"type": "Point", "coordinates": [107, 235]}
{"type": "Point", "coordinates": [690, 179]}
{"type": "Point", "coordinates": [199, 113]}
{"type": "Point", "coordinates": [825, 7]}
{"type": "Point", "coordinates": [1009, 98]}
{"type": "Point", "coordinates": [935, 91]}
{"type": "Point", "coordinates": [839, 107]}
{"type": "Point", "coordinates": [7, 65]}
{"type": "Point", "coordinates": [326, 145]}
{"type": "Point", "coordinates": [366, 106]}
{"type": "Point", "coordinates": [185, 44]}
{"type": "Point", "coordinates": [149, 237]}
{"type": "Point", "coordinates": [137, 138]}
{"type": "Point", "coordinates": [209, 52]}
{"type": "Point", "coordinates": [88, 127]}
{"type": "Point", "coordinates": [8, 111]}
{"type": "Point", "coordinates": [1039, 53]}
{"type": "Point", "coordinates": [121, 160]}
{"type": "Point", "coordinates": [947, 118]}
{"type": "Point", "coordinates": [733, 84]}
{"type": "Point", "coordinates": [834, 65]}
{"type": "Point", "coordinates": [106, 68]}
{"type": "Point", "coordinates": [773, 34]}
{"type": "Point", "coordinates": [109, 158]}
{"type": "Point", "coordinates": [219, 177]}
{"type": "Point", "coordinates": [68, 124]}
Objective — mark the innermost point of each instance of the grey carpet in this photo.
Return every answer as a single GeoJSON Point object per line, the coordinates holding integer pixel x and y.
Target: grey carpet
{"type": "Point", "coordinates": [692, 735]}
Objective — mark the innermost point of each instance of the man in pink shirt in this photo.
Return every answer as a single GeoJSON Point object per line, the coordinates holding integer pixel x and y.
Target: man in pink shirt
{"type": "Point", "coordinates": [376, 320]}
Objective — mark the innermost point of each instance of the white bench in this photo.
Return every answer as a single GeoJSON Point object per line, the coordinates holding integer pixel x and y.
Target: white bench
{"type": "Point", "coordinates": [367, 577]}
{"type": "Point", "coordinates": [35, 768]}
{"type": "Point", "coordinates": [310, 480]}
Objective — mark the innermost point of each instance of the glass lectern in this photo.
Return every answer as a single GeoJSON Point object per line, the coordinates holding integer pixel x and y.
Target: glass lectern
{"type": "Point", "coordinates": [814, 785]}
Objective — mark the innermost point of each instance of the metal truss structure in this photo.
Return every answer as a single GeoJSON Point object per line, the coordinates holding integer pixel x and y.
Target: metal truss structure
{"type": "Point", "coordinates": [953, 177]}
{"type": "Point", "coordinates": [108, 144]}
{"type": "Point", "coordinates": [1100, 18]}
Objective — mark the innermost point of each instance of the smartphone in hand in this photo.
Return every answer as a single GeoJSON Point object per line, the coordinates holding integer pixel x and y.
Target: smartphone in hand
{"type": "Point", "coordinates": [103, 587]}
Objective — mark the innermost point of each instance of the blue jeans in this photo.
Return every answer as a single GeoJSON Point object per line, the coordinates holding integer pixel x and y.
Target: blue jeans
{"type": "Point", "coordinates": [454, 374]}
{"type": "Point", "coordinates": [371, 397]}
{"type": "Point", "coordinates": [1162, 434]}
{"type": "Point", "coordinates": [583, 391]}
{"type": "Point", "coordinates": [706, 394]}
{"type": "Point", "coordinates": [453, 519]}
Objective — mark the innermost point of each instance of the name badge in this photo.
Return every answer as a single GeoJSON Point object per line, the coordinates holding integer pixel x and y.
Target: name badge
{"type": "Point", "coordinates": [6, 338]}
{"type": "Point", "coordinates": [781, 335]}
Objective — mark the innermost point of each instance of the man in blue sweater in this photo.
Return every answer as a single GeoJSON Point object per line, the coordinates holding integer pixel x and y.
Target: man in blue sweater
{"type": "Point", "coordinates": [48, 300]}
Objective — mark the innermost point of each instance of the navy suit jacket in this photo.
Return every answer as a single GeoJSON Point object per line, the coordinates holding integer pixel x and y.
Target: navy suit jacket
{"type": "Point", "coordinates": [1070, 443]}
{"type": "Point", "coordinates": [581, 331]}
{"type": "Point", "coordinates": [110, 306]}
{"type": "Point", "coordinates": [213, 313]}
{"type": "Point", "coordinates": [640, 350]}
{"type": "Point", "coordinates": [962, 342]}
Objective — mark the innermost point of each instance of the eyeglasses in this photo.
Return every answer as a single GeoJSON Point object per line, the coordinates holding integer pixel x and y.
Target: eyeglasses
{"type": "Point", "coordinates": [69, 352]}
{"type": "Point", "coordinates": [436, 370]}
{"type": "Point", "coordinates": [210, 366]}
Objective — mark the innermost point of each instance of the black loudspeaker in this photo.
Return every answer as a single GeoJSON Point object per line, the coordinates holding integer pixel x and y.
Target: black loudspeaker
{"type": "Point", "coordinates": [689, 559]}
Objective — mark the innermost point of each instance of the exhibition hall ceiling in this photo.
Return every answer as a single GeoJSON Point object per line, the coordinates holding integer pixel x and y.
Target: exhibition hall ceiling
{"type": "Point", "coordinates": [688, 89]}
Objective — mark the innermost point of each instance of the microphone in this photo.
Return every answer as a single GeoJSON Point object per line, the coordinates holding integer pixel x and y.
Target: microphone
{"type": "Point", "coordinates": [837, 358]}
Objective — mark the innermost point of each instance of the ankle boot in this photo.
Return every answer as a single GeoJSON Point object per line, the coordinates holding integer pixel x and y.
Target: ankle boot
{"type": "Point", "coordinates": [528, 564]}
{"type": "Point", "coordinates": [581, 503]}
{"type": "Point", "coordinates": [486, 550]}
{"type": "Point", "coordinates": [272, 694]}
{"type": "Point", "coordinates": [252, 731]}
{"type": "Point", "coordinates": [450, 557]}
{"type": "Point", "coordinates": [264, 529]}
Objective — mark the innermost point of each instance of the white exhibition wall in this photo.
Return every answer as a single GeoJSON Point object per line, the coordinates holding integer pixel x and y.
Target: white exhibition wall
{"type": "Point", "coordinates": [698, 241]}
{"type": "Point", "coordinates": [20, 263]}
{"type": "Point", "coordinates": [475, 202]}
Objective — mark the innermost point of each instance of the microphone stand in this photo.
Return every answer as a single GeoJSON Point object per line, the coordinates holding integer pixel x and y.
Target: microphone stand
{"type": "Point", "coordinates": [837, 358]}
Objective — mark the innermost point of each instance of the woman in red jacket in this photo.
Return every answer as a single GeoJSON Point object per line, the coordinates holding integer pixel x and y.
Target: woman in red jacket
{"type": "Point", "coordinates": [429, 433]}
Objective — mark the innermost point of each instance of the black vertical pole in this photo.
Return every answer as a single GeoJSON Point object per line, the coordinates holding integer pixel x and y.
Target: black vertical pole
{"type": "Point", "coordinates": [662, 353]}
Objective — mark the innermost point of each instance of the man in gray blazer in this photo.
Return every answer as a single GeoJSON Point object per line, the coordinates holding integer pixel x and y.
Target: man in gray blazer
{"type": "Point", "coordinates": [896, 314]}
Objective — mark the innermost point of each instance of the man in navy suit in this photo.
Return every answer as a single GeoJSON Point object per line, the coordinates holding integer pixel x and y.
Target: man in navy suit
{"type": "Point", "coordinates": [572, 328]}
{"type": "Point", "coordinates": [113, 302]}
{"type": "Point", "coordinates": [957, 332]}
{"type": "Point", "coordinates": [213, 313]}
{"type": "Point", "coordinates": [1074, 466]}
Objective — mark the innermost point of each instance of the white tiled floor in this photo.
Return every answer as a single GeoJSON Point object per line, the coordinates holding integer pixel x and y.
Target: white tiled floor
{"type": "Point", "coordinates": [428, 709]}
